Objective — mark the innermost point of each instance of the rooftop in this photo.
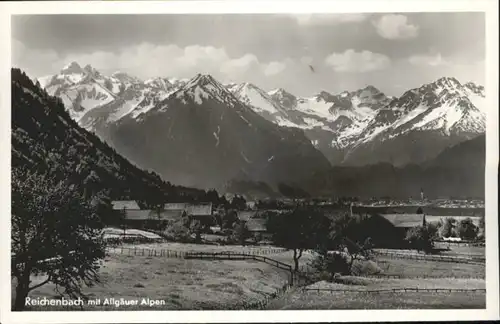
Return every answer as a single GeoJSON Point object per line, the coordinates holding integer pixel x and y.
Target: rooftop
{"type": "Point", "coordinates": [404, 220]}
{"type": "Point", "coordinates": [125, 204]}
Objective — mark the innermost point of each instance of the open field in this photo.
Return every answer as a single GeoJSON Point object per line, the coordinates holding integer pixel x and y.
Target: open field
{"type": "Point", "coordinates": [364, 283]}
{"type": "Point", "coordinates": [187, 247]}
{"type": "Point", "coordinates": [460, 250]}
{"type": "Point", "coordinates": [207, 284]}
{"type": "Point", "coordinates": [363, 300]}
{"type": "Point", "coordinates": [409, 268]}
{"type": "Point", "coordinates": [182, 284]}
{"type": "Point", "coordinates": [358, 293]}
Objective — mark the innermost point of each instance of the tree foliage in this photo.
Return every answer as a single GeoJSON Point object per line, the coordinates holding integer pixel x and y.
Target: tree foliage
{"type": "Point", "coordinates": [448, 227]}
{"type": "Point", "coordinates": [238, 203]}
{"type": "Point", "coordinates": [419, 238]}
{"type": "Point", "coordinates": [240, 233]}
{"type": "Point", "coordinates": [229, 218]}
{"type": "Point", "coordinates": [56, 233]}
{"type": "Point", "coordinates": [298, 230]}
{"type": "Point", "coordinates": [327, 265]}
{"type": "Point", "coordinates": [467, 230]}
{"type": "Point", "coordinates": [293, 192]}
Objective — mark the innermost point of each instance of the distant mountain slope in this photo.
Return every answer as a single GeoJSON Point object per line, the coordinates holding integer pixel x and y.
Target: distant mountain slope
{"type": "Point", "coordinates": [202, 135]}
{"type": "Point", "coordinates": [366, 127]}
{"type": "Point", "coordinates": [421, 123]}
{"type": "Point", "coordinates": [456, 172]}
{"type": "Point", "coordinates": [45, 138]}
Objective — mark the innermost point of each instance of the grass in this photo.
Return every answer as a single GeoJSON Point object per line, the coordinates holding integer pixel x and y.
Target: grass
{"type": "Point", "coordinates": [461, 250]}
{"type": "Point", "coordinates": [202, 284]}
{"type": "Point", "coordinates": [408, 268]}
{"type": "Point", "coordinates": [356, 300]}
{"type": "Point", "coordinates": [364, 283]}
{"type": "Point", "coordinates": [181, 284]}
{"type": "Point", "coordinates": [187, 247]}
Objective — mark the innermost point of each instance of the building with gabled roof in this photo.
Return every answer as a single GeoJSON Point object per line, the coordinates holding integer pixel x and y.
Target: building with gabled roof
{"type": "Point", "coordinates": [390, 230]}
{"type": "Point", "coordinates": [245, 215]}
{"type": "Point", "coordinates": [405, 220]}
{"type": "Point", "coordinates": [175, 206]}
{"type": "Point", "coordinates": [199, 209]}
{"type": "Point", "coordinates": [125, 204]}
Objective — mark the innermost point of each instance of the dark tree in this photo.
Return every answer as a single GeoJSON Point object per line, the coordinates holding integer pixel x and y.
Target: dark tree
{"type": "Point", "coordinates": [196, 228]}
{"type": "Point", "coordinates": [55, 233]}
{"type": "Point", "coordinates": [327, 264]}
{"type": "Point", "coordinates": [229, 218]}
{"type": "Point", "coordinates": [239, 203]}
{"type": "Point", "coordinates": [467, 230]}
{"type": "Point", "coordinates": [240, 232]}
{"type": "Point", "coordinates": [420, 210]}
{"type": "Point", "coordinates": [419, 238]}
{"type": "Point", "coordinates": [433, 230]}
{"type": "Point", "coordinates": [482, 232]}
{"type": "Point", "coordinates": [298, 230]}
{"type": "Point", "coordinates": [448, 227]}
{"type": "Point", "coordinates": [178, 231]}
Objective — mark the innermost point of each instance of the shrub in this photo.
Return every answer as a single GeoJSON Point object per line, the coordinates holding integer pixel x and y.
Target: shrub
{"type": "Point", "coordinates": [326, 265]}
{"type": "Point", "coordinates": [467, 230]}
{"type": "Point", "coordinates": [178, 232]}
{"type": "Point", "coordinates": [419, 238]}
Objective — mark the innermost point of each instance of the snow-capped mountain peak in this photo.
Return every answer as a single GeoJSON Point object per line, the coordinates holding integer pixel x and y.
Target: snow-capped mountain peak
{"type": "Point", "coordinates": [260, 101]}
{"type": "Point", "coordinates": [159, 83]}
{"type": "Point", "coordinates": [125, 77]}
{"type": "Point", "coordinates": [284, 98]}
{"type": "Point", "coordinates": [90, 70]}
{"type": "Point", "coordinates": [72, 68]}
{"type": "Point", "coordinates": [205, 86]}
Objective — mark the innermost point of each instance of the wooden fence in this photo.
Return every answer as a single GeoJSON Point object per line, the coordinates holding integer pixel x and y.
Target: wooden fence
{"type": "Point", "coordinates": [461, 243]}
{"type": "Point", "coordinates": [392, 290]}
{"type": "Point", "coordinates": [413, 256]}
{"type": "Point", "coordinates": [181, 254]}
{"type": "Point", "coordinates": [382, 276]}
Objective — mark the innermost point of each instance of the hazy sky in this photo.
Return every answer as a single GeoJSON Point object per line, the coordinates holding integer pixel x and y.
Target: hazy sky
{"type": "Point", "coordinates": [393, 52]}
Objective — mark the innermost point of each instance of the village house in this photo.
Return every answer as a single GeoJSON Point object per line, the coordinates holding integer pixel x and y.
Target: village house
{"type": "Point", "coordinates": [391, 229]}
{"type": "Point", "coordinates": [125, 205]}
{"type": "Point", "coordinates": [245, 215]}
{"type": "Point", "coordinates": [136, 217]}
{"type": "Point", "coordinates": [258, 229]}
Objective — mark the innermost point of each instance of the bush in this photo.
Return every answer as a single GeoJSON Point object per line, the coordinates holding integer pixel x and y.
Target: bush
{"type": "Point", "coordinates": [448, 227]}
{"type": "Point", "coordinates": [328, 264]}
{"type": "Point", "coordinates": [178, 232]}
{"type": "Point", "coordinates": [466, 230]}
{"type": "Point", "coordinates": [419, 238]}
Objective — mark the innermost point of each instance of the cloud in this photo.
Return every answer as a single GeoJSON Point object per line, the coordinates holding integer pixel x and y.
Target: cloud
{"type": "Point", "coordinates": [148, 60]}
{"type": "Point", "coordinates": [239, 65]}
{"type": "Point", "coordinates": [326, 19]}
{"type": "Point", "coordinates": [274, 68]}
{"type": "Point", "coordinates": [428, 60]}
{"type": "Point", "coordinates": [395, 27]}
{"type": "Point", "coordinates": [357, 62]}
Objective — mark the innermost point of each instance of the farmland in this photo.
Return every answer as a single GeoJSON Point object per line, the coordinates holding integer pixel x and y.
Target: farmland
{"type": "Point", "coordinates": [234, 284]}
{"type": "Point", "coordinates": [182, 284]}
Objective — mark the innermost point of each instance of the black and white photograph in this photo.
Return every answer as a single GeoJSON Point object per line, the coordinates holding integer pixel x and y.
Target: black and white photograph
{"type": "Point", "coordinates": [252, 161]}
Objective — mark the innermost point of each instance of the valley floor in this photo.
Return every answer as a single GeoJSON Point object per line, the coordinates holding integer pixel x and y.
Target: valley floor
{"type": "Point", "coordinates": [238, 284]}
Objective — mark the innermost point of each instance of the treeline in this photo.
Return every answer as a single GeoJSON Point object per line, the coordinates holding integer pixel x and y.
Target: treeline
{"type": "Point", "coordinates": [456, 172]}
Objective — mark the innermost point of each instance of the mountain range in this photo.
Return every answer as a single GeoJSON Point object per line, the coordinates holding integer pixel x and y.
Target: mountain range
{"type": "Point", "coordinates": [45, 139]}
{"type": "Point", "coordinates": [200, 132]}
